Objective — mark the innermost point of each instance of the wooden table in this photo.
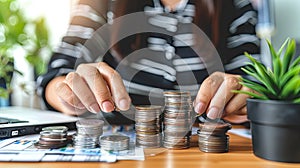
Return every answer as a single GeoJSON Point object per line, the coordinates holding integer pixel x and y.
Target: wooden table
{"type": "Point", "coordinates": [239, 156]}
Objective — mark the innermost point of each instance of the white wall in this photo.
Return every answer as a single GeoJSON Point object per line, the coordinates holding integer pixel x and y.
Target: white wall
{"type": "Point", "coordinates": [57, 13]}
{"type": "Point", "coordinates": [287, 20]}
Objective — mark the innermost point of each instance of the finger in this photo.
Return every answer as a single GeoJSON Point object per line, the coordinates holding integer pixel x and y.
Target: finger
{"type": "Point", "coordinates": [207, 90]}
{"type": "Point", "coordinates": [242, 111]}
{"type": "Point", "coordinates": [82, 91]}
{"type": "Point", "coordinates": [66, 94]}
{"type": "Point", "coordinates": [236, 118]}
{"type": "Point", "coordinates": [116, 86]}
{"type": "Point", "coordinates": [237, 102]}
{"type": "Point", "coordinates": [71, 110]}
{"type": "Point", "coordinates": [71, 103]}
{"type": "Point", "coordinates": [98, 86]}
{"type": "Point", "coordinates": [222, 96]}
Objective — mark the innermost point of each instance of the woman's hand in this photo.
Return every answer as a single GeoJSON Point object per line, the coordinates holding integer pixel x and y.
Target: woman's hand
{"type": "Point", "coordinates": [216, 98]}
{"type": "Point", "coordinates": [93, 87]}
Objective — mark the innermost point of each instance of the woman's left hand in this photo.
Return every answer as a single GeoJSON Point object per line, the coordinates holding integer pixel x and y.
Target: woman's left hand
{"type": "Point", "coordinates": [215, 97]}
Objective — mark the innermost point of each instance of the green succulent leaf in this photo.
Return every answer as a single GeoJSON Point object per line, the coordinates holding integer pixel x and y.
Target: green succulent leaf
{"type": "Point", "coordinates": [282, 46]}
{"type": "Point", "coordinates": [297, 100]}
{"type": "Point", "coordinates": [262, 75]}
{"type": "Point", "coordinates": [295, 62]}
{"type": "Point", "coordinates": [251, 94]}
{"type": "Point", "coordinates": [291, 87]}
{"type": "Point", "coordinates": [276, 60]}
{"type": "Point", "coordinates": [281, 82]}
{"type": "Point", "coordinates": [254, 86]}
{"type": "Point", "coordinates": [278, 70]}
{"type": "Point", "coordinates": [288, 56]}
{"type": "Point", "coordinates": [289, 75]}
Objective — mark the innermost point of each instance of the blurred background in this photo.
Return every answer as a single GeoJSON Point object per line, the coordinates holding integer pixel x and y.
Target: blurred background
{"type": "Point", "coordinates": [287, 21]}
{"type": "Point", "coordinates": [29, 31]}
{"type": "Point", "coordinates": [32, 47]}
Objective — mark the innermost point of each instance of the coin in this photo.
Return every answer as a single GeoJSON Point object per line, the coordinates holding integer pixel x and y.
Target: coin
{"type": "Point", "coordinates": [212, 136]}
{"type": "Point", "coordinates": [60, 129]}
{"type": "Point", "coordinates": [177, 119]}
{"type": "Point", "coordinates": [89, 123]}
{"type": "Point", "coordinates": [52, 137]}
{"type": "Point", "coordinates": [114, 142]}
{"type": "Point", "coordinates": [147, 126]}
{"type": "Point", "coordinates": [88, 133]}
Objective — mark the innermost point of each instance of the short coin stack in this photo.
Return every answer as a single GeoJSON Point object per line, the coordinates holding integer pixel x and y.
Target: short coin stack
{"type": "Point", "coordinates": [88, 133]}
{"type": "Point", "coordinates": [114, 142]}
{"type": "Point", "coordinates": [177, 120]}
{"type": "Point", "coordinates": [212, 137]}
{"type": "Point", "coordinates": [52, 137]}
{"type": "Point", "coordinates": [147, 126]}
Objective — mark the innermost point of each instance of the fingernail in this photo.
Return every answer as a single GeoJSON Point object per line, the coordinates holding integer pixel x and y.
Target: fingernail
{"type": "Point", "coordinates": [199, 107]}
{"type": "Point", "coordinates": [213, 113]}
{"type": "Point", "coordinates": [80, 106]}
{"type": "Point", "coordinates": [124, 104]}
{"type": "Point", "coordinates": [107, 106]}
{"type": "Point", "coordinates": [94, 108]}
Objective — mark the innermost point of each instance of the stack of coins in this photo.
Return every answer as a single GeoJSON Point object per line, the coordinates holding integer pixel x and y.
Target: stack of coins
{"type": "Point", "coordinates": [52, 137]}
{"type": "Point", "coordinates": [88, 133]}
{"type": "Point", "coordinates": [147, 126]}
{"type": "Point", "coordinates": [212, 137]}
{"type": "Point", "coordinates": [177, 120]}
{"type": "Point", "coordinates": [114, 142]}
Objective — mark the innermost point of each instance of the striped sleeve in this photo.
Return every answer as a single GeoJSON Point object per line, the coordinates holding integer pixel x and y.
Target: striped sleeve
{"type": "Point", "coordinates": [240, 35]}
{"type": "Point", "coordinates": [86, 17]}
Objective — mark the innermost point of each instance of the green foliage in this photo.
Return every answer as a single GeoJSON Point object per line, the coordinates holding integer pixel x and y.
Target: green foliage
{"type": "Point", "coordinates": [282, 82]}
{"type": "Point", "coordinates": [17, 31]}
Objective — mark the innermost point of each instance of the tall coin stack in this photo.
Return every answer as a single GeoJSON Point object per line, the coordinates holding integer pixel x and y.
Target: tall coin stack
{"type": "Point", "coordinates": [147, 125]}
{"type": "Point", "coordinates": [88, 133]}
{"type": "Point", "coordinates": [212, 137]}
{"type": "Point", "coordinates": [177, 121]}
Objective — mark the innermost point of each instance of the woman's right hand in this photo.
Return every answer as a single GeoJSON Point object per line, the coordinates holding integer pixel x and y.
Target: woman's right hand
{"type": "Point", "coordinates": [94, 87]}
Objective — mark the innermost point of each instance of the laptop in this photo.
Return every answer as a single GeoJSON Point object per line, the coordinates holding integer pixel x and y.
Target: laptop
{"type": "Point", "coordinates": [19, 121]}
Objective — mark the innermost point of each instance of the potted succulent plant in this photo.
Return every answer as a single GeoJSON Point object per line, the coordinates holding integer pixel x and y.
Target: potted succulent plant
{"type": "Point", "coordinates": [274, 109]}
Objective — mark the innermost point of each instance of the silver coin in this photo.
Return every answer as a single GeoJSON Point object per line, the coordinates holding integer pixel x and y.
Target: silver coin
{"type": "Point", "coordinates": [177, 119]}
{"type": "Point", "coordinates": [52, 137]}
{"type": "Point", "coordinates": [114, 142]}
{"type": "Point", "coordinates": [84, 131]}
{"type": "Point", "coordinates": [61, 129]}
{"type": "Point", "coordinates": [115, 138]}
{"type": "Point", "coordinates": [88, 133]}
{"type": "Point", "coordinates": [176, 93]}
{"type": "Point", "coordinates": [148, 126]}
{"type": "Point", "coordinates": [87, 123]}
{"type": "Point", "coordinates": [148, 107]}
{"type": "Point", "coordinates": [212, 137]}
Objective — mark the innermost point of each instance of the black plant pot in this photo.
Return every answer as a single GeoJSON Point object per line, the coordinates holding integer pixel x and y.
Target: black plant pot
{"type": "Point", "coordinates": [275, 128]}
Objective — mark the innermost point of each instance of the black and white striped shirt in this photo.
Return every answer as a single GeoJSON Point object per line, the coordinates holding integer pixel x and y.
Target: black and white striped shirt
{"type": "Point", "coordinates": [166, 61]}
